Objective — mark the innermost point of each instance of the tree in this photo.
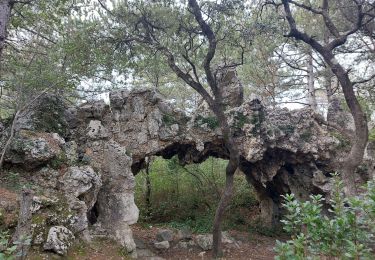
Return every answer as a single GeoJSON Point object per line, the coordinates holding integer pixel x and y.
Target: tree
{"type": "Point", "coordinates": [5, 9]}
{"type": "Point", "coordinates": [192, 39]}
{"type": "Point", "coordinates": [340, 30]}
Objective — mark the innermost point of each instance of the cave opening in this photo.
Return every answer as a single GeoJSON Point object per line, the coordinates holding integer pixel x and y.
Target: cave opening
{"type": "Point", "coordinates": [93, 214]}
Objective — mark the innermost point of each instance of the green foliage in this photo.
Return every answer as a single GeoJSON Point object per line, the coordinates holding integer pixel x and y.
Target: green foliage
{"type": "Point", "coordinates": [168, 120]}
{"type": "Point", "coordinates": [240, 120]}
{"type": "Point", "coordinates": [344, 143]}
{"type": "Point", "coordinates": [371, 136]}
{"type": "Point", "coordinates": [6, 250]}
{"type": "Point", "coordinates": [287, 129]}
{"type": "Point", "coordinates": [58, 161]}
{"type": "Point", "coordinates": [347, 233]}
{"type": "Point", "coordinates": [306, 135]}
{"type": "Point", "coordinates": [211, 121]}
{"type": "Point", "coordinates": [187, 196]}
{"type": "Point", "coordinates": [50, 116]}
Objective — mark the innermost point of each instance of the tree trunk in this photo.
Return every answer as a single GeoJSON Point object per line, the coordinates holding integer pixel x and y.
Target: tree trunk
{"type": "Point", "coordinates": [230, 170]}
{"type": "Point", "coordinates": [217, 250]}
{"type": "Point", "coordinates": [311, 97]}
{"type": "Point", "coordinates": [9, 141]}
{"type": "Point", "coordinates": [359, 142]}
{"type": "Point", "coordinates": [328, 84]}
{"type": "Point", "coordinates": [148, 188]}
{"type": "Point", "coordinates": [23, 231]}
{"type": "Point", "coordinates": [5, 8]}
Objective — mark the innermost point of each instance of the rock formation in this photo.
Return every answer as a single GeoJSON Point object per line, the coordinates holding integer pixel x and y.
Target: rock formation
{"type": "Point", "coordinates": [84, 161]}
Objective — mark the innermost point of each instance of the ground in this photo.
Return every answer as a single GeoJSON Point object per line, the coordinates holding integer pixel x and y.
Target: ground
{"type": "Point", "coordinates": [248, 246]}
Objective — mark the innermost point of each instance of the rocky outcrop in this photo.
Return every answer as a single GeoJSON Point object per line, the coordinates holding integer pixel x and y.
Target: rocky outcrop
{"type": "Point", "coordinates": [87, 171]}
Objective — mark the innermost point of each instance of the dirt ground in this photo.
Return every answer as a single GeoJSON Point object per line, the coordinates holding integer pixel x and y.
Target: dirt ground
{"type": "Point", "coordinates": [247, 246]}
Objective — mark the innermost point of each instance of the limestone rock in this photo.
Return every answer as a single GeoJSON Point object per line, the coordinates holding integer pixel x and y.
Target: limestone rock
{"type": "Point", "coordinates": [96, 130]}
{"type": "Point", "coordinates": [71, 152]}
{"type": "Point", "coordinates": [164, 235]}
{"type": "Point", "coordinates": [116, 206]}
{"type": "Point", "coordinates": [59, 240]}
{"type": "Point", "coordinates": [230, 87]}
{"type": "Point", "coordinates": [82, 182]}
{"type": "Point", "coordinates": [32, 149]}
{"type": "Point", "coordinates": [162, 245]}
{"type": "Point", "coordinates": [92, 109]}
{"type": "Point", "coordinates": [204, 241]}
{"type": "Point", "coordinates": [81, 186]}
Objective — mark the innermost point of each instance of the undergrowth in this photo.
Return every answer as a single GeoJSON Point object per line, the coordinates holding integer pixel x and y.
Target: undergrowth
{"type": "Point", "coordinates": [187, 196]}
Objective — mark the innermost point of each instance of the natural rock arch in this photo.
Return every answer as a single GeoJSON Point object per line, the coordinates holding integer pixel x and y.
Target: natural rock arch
{"type": "Point", "coordinates": [281, 151]}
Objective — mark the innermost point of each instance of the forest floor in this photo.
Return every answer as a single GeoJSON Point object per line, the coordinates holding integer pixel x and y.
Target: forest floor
{"type": "Point", "coordinates": [248, 246]}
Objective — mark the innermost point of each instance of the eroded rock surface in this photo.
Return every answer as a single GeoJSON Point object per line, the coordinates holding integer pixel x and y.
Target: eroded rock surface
{"type": "Point", "coordinates": [59, 240]}
{"type": "Point", "coordinates": [86, 167]}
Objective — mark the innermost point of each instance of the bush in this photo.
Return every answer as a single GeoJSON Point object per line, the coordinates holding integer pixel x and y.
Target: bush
{"type": "Point", "coordinates": [346, 234]}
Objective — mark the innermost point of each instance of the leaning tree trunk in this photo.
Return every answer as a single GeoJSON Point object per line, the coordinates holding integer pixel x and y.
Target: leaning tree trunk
{"type": "Point", "coordinates": [5, 8]}
{"type": "Point", "coordinates": [360, 139]}
{"type": "Point", "coordinates": [230, 170]}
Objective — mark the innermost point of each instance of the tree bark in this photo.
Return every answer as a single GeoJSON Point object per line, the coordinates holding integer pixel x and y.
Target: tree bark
{"type": "Point", "coordinates": [5, 8]}
{"type": "Point", "coordinates": [23, 231]}
{"type": "Point", "coordinates": [148, 188]}
{"type": "Point", "coordinates": [8, 141]}
{"type": "Point", "coordinates": [311, 97]}
{"type": "Point", "coordinates": [230, 170]}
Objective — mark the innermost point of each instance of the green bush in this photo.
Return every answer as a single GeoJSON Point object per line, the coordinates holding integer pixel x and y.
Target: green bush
{"type": "Point", "coordinates": [6, 250]}
{"type": "Point", "coordinates": [346, 234]}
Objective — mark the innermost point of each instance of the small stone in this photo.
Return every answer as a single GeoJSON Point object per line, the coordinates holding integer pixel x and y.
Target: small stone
{"type": "Point", "coordinates": [204, 241]}
{"type": "Point", "coordinates": [162, 245]}
{"type": "Point", "coordinates": [59, 240]}
{"type": "Point", "coordinates": [164, 235]}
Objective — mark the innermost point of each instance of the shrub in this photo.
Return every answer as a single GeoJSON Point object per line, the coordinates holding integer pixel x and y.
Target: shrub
{"type": "Point", "coordinates": [346, 234]}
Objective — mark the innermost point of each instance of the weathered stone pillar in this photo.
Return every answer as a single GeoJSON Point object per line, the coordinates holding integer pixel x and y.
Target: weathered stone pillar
{"type": "Point", "coordinates": [116, 207]}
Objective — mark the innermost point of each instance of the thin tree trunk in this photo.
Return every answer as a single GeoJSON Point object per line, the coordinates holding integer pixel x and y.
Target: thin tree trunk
{"type": "Point", "coordinates": [311, 97]}
{"type": "Point", "coordinates": [217, 250]}
{"type": "Point", "coordinates": [5, 8]}
{"type": "Point", "coordinates": [23, 231]}
{"type": "Point", "coordinates": [230, 170]}
{"type": "Point", "coordinates": [327, 74]}
{"type": "Point", "coordinates": [8, 141]}
{"type": "Point", "coordinates": [148, 188]}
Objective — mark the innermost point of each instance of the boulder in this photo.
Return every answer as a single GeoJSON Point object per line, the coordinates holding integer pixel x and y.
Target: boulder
{"type": "Point", "coordinates": [33, 149]}
{"type": "Point", "coordinates": [59, 240]}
